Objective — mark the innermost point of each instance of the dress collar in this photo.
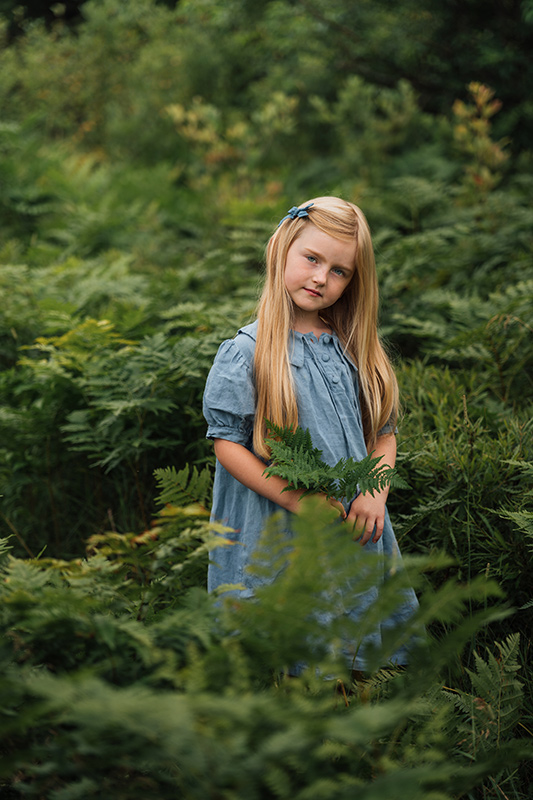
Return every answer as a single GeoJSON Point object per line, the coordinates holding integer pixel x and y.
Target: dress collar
{"type": "Point", "coordinates": [297, 344]}
{"type": "Point", "coordinates": [296, 349]}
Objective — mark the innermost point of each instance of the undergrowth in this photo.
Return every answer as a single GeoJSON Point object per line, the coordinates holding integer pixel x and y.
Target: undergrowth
{"type": "Point", "coordinates": [121, 676]}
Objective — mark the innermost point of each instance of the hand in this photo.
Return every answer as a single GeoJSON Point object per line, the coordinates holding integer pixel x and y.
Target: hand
{"type": "Point", "coordinates": [336, 504]}
{"type": "Point", "coordinates": [367, 516]}
{"type": "Point", "coordinates": [331, 501]}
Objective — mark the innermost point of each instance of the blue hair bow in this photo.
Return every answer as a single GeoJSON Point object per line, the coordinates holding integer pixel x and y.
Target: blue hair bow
{"type": "Point", "coordinates": [296, 212]}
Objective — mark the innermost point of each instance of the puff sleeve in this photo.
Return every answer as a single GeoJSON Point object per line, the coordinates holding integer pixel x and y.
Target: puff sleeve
{"type": "Point", "coordinates": [229, 396]}
{"type": "Point", "coordinates": [389, 427]}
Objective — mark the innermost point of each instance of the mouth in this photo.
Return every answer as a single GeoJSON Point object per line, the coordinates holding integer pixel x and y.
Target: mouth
{"type": "Point", "coordinates": [313, 292]}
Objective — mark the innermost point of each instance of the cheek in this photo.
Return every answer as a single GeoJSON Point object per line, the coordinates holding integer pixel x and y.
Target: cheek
{"type": "Point", "coordinates": [291, 276]}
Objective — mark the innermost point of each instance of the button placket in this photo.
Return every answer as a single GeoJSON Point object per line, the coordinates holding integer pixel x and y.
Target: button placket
{"type": "Point", "coordinates": [330, 372]}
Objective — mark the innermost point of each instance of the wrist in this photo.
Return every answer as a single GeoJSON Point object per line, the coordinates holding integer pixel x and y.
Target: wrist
{"type": "Point", "coordinates": [291, 500]}
{"type": "Point", "coordinates": [381, 495]}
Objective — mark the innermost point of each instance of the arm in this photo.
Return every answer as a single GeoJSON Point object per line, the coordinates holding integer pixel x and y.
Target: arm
{"type": "Point", "coordinates": [367, 511]}
{"type": "Point", "coordinates": [248, 470]}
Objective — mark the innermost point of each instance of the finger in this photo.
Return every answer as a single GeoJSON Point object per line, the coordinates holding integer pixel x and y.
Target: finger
{"type": "Point", "coordinates": [358, 529]}
{"type": "Point", "coordinates": [370, 529]}
{"type": "Point", "coordinates": [378, 532]}
{"type": "Point", "coordinates": [338, 506]}
{"type": "Point", "coordinates": [366, 538]}
{"type": "Point", "coordinates": [341, 510]}
{"type": "Point", "coordinates": [377, 529]}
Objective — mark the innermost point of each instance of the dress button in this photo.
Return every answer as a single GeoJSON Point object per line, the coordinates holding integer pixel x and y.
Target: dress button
{"type": "Point", "coordinates": [335, 379]}
{"type": "Point", "coordinates": [326, 338]}
{"type": "Point", "coordinates": [325, 357]}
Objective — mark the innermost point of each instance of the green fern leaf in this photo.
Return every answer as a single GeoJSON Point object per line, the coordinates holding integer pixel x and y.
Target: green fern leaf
{"type": "Point", "coordinates": [523, 521]}
{"type": "Point", "coordinates": [183, 487]}
{"type": "Point", "coordinates": [491, 711]}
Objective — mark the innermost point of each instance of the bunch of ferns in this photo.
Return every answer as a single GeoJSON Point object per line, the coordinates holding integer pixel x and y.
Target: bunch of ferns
{"type": "Point", "coordinates": [294, 458]}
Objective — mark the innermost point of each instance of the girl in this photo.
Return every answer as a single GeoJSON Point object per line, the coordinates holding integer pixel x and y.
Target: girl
{"type": "Point", "coordinates": [312, 358]}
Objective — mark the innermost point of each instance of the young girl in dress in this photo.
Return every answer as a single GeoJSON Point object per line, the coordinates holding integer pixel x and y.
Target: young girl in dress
{"type": "Point", "coordinates": [312, 358]}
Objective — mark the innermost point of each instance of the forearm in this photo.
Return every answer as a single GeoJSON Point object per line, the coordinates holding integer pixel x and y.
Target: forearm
{"type": "Point", "coordinates": [386, 448]}
{"type": "Point", "coordinates": [248, 470]}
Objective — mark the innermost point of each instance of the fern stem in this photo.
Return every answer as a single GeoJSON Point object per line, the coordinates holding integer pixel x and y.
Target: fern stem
{"type": "Point", "coordinates": [18, 535]}
{"type": "Point", "coordinates": [521, 725]}
{"type": "Point", "coordinates": [341, 688]}
{"type": "Point", "coordinates": [498, 788]}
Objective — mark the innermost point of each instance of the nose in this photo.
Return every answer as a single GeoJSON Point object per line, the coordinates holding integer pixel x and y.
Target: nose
{"type": "Point", "coordinates": [320, 275]}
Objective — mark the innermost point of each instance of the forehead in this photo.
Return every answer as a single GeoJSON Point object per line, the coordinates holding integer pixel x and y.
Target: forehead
{"type": "Point", "coordinates": [339, 251]}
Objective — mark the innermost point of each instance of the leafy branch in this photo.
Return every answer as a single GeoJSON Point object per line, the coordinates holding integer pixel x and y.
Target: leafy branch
{"type": "Point", "coordinates": [295, 459]}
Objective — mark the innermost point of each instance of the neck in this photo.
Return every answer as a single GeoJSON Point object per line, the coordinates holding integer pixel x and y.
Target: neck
{"type": "Point", "coordinates": [314, 324]}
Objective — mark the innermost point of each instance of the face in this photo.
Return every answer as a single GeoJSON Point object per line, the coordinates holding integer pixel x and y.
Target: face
{"type": "Point", "coordinates": [318, 270]}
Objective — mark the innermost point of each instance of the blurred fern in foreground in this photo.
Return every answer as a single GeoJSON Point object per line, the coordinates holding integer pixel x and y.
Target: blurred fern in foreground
{"type": "Point", "coordinates": [190, 699]}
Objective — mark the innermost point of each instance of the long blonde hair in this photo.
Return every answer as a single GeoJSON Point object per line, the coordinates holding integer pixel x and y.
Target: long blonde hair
{"type": "Point", "coordinates": [353, 318]}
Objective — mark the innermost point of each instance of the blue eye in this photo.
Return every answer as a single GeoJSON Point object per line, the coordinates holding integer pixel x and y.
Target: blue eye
{"type": "Point", "coordinates": [338, 271]}
{"type": "Point", "coordinates": [312, 259]}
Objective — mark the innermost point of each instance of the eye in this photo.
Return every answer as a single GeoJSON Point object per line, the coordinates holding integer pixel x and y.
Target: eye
{"type": "Point", "coordinates": [312, 259]}
{"type": "Point", "coordinates": [338, 271]}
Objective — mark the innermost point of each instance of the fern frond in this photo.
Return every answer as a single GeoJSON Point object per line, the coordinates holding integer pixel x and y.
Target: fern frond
{"type": "Point", "coordinates": [294, 439]}
{"type": "Point", "coordinates": [183, 487]}
{"type": "Point", "coordinates": [296, 460]}
{"type": "Point", "coordinates": [523, 521]}
{"type": "Point", "coordinates": [5, 548]}
{"type": "Point", "coordinates": [491, 711]}
{"type": "Point", "coordinates": [496, 683]}
{"type": "Point", "coordinates": [379, 682]}
{"type": "Point", "coordinates": [367, 475]}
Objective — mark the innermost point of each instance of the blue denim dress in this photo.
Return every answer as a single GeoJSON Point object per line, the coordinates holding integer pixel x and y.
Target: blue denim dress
{"type": "Point", "coordinates": [328, 405]}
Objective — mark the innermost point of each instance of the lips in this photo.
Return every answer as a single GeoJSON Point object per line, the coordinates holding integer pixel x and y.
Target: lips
{"type": "Point", "coordinates": [312, 292]}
